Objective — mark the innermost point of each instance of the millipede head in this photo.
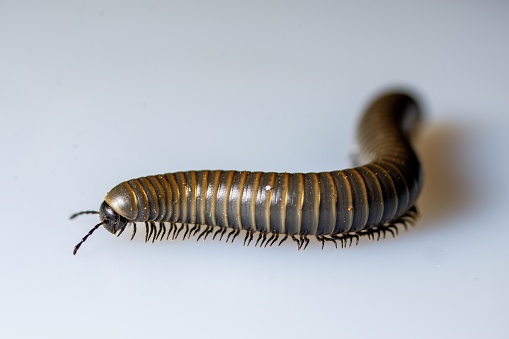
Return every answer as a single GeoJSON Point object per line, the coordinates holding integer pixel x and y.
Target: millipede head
{"type": "Point", "coordinates": [111, 220]}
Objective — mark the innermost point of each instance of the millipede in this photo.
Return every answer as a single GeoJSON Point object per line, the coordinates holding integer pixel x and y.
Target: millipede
{"type": "Point", "coordinates": [337, 207]}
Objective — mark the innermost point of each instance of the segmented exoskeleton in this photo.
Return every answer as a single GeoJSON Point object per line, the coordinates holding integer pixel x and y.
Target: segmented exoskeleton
{"type": "Point", "coordinates": [337, 206]}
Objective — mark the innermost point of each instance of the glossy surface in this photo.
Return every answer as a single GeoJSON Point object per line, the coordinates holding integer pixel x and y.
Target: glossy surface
{"type": "Point", "coordinates": [98, 92]}
{"type": "Point", "coordinates": [325, 203]}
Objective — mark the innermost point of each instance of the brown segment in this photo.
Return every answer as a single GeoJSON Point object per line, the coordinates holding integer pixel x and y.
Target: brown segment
{"type": "Point", "coordinates": [160, 195]}
{"type": "Point", "coordinates": [175, 197]}
{"type": "Point", "coordinates": [295, 199]}
{"type": "Point", "coordinates": [222, 196]}
{"type": "Point", "coordinates": [142, 200]}
{"type": "Point", "coordinates": [166, 198]}
{"type": "Point", "coordinates": [328, 204]}
{"type": "Point", "coordinates": [201, 196]}
{"type": "Point", "coordinates": [263, 200]}
{"type": "Point", "coordinates": [235, 199]}
{"type": "Point", "coordinates": [410, 170]}
{"type": "Point", "coordinates": [278, 203]}
{"type": "Point", "coordinates": [389, 194]}
{"type": "Point", "coordinates": [401, 186]}
{"type": "Point", "coordinates": [212, 186]}
{"type": "Point", "coordinates": [248, 205]}
{"type": "Point", "coordinates": [191, 196]}
{"type": "Point", "coordinates": [153, 200]}
{"type": "Point", "coordinates": [311, 204]}
{"type": "Point", "coordinates": [183, 191]}
{"type": "Point", "coordinates": [360, 199]}
{"type": "Point", "coordinates": [374, 194]}
{"type": "Point", "coordinates": [344, 219]}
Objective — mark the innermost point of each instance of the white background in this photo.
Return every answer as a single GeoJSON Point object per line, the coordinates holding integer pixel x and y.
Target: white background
{"type": "Point", "coordinates": [93, 93]}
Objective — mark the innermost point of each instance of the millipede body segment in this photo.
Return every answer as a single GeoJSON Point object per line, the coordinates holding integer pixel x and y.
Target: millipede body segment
{"type": "Point", "coordinates": [338, 206]}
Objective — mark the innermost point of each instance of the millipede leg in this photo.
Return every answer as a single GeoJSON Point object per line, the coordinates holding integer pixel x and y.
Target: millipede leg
{"type": "Point", "coordinates": [216, 233]}
{"type": "Point", "coordinates": [147, 236]}
{"type": "Point", "coordinates": [264, 237]}
{"type": "Point", "coordinates": [338, 238]}
{"type": "Point", "coordinates": [175, 231]}
{"type": "Point", "coordinates": [305, 240]}
{"type": "Point", "coordinates": [321, 239]}
{"type": "Point", "coordinates": [356, 240]}
{"type": "Point", "coordinates": [259, 237]}
{"type": "Point", "coordinates": [301, 241]}
{"type": "Point", "coordinates": [275, 239]}
{"type": "Point", "coordinates": [348, 241]}
{"type": "Point", "coordinates": [162, 227]}
{"type": "Point", "coordinates": [272, 236]}
{"type": "Point", "coordinates": [134, 231]}
{"type": "Point", "coordinates": [172, 228]}
{"type": "Point", "coordinates": [235, 235]}
{"type": "Point", "coordinates": [246, 237]}
{"type": "Point", "coordinates": [229, 235]}
{"type": "Point", "coordinates": [194, 230]}
{"type": "Point", "coordinates": [333, 240]}
{"type": "Point", "coordinates": [186, 232]}
{"type": "Point", "coordinates": [223, 231]}
{"type": "Point", "coordinates": [179, 229]}
{"type": "Point", "coordinates": [283, 240]}
{"type": "Point", "coordinates": [205, 233]}
{"type": "Point", "coordinates": [209, 231]}
{"type": "Point", "coordinates": [159, 230]}
{"type": "Point", "coordinates": [377, 233]}
{"type": "Point", "coordinates": [120, 232]}
{"type": "Point", "coordinates": [250, 237]}
{"type": "Point", "coordinates": [393, 229]}
{"type": "Point", "coordinates": [153, 230]}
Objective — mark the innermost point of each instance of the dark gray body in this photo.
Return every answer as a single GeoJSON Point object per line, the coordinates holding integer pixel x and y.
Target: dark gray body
{"type": "Point", "coordinates": [327, 203]}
